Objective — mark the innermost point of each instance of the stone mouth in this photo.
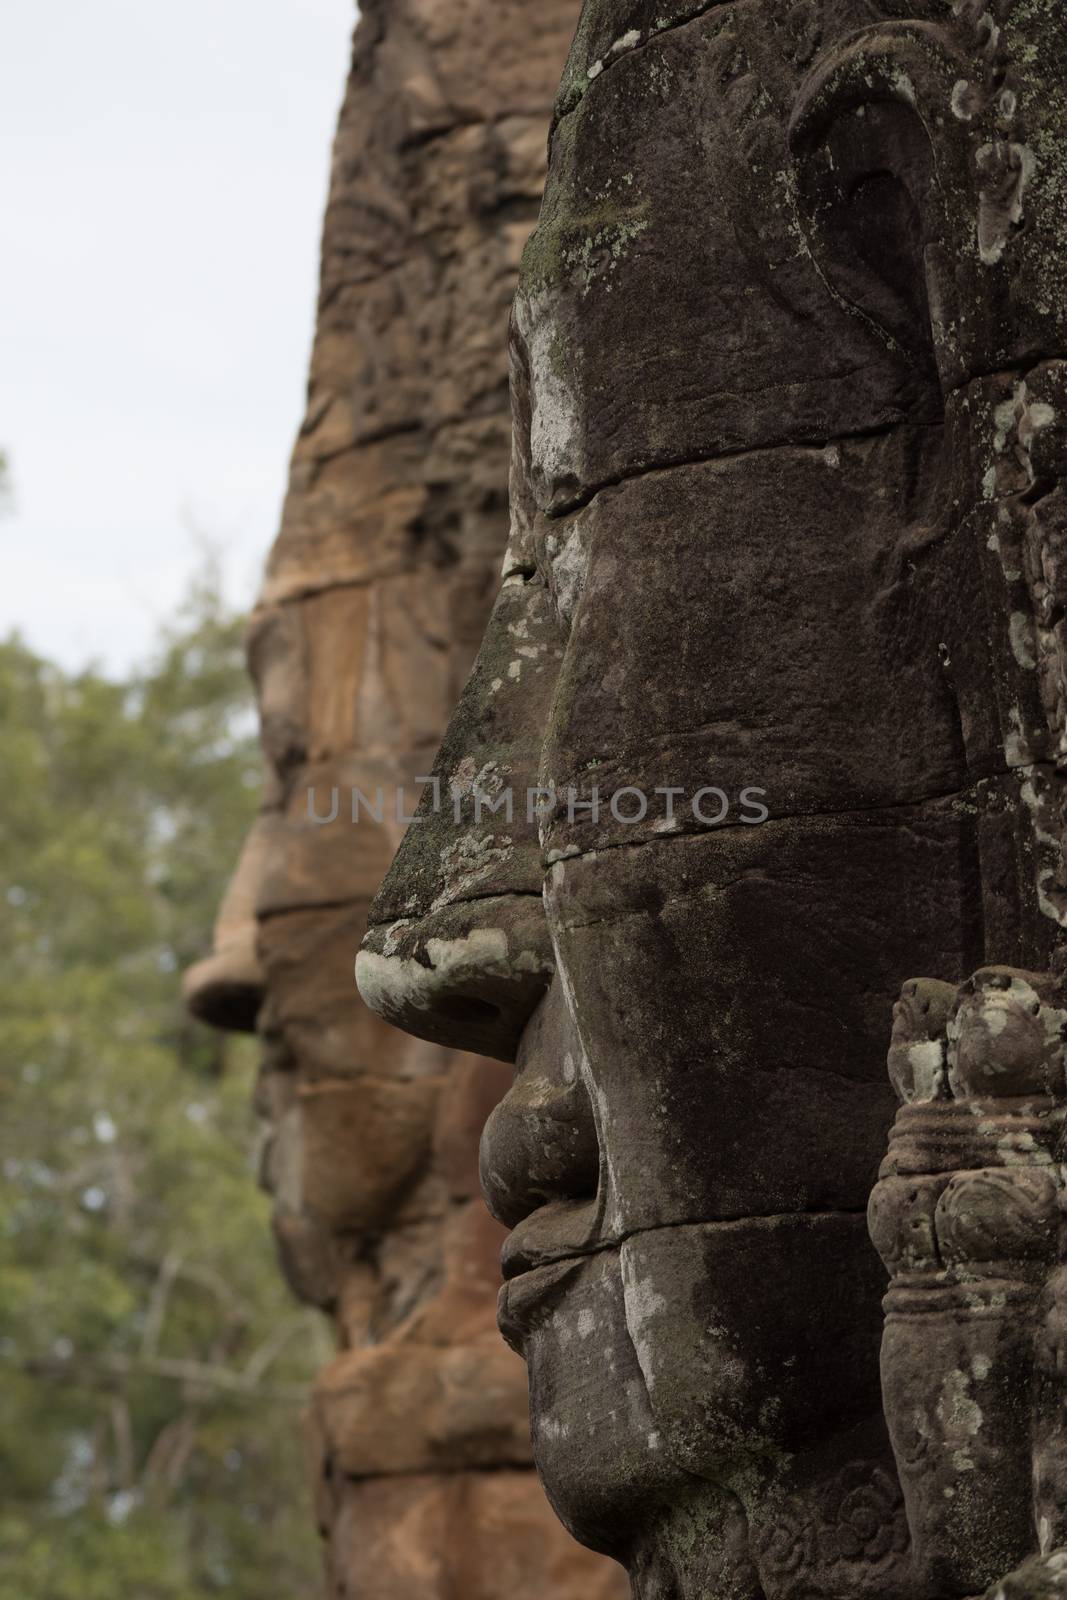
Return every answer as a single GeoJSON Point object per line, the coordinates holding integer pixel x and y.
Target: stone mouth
{"type": "Point", "coordinates": [561, 1231]}
{"type": "Point", "coordinates": [528, 1299]}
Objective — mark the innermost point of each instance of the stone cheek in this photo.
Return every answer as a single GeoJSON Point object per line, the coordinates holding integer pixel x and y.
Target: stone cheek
{"type": "Point", "coordinates": [760, 584]}
{"type": "Point", "coordinates": [742, 1387]}
{"type": "Point", "coordinates": [720, 1118]}
{"type": "Point", "coordinates": [769, 1389]}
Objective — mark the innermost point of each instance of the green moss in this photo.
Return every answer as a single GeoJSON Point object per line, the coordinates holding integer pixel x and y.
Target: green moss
{"type": "Point", "coordinates": [585, 240]}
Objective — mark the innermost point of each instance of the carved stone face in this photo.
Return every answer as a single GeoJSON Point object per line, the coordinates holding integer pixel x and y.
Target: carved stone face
{"type": "Point", "coordinates": [769, 533]}
{"type": "Point", "coordinates": [374, 598]}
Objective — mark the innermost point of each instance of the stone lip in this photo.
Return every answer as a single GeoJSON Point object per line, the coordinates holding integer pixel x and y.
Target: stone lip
{"type": "Point", "coordinates": [527, 1300]}
{"type": "Point", "coordinates": [558, 1232]}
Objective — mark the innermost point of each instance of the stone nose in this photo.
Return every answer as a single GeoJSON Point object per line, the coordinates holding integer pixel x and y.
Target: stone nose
{"type": "Point", "coordinates": [226, 989]}
{"type": "Point", "coordinates": [540, 1143]}
{"type": "Point", "coordinates": [458, 950]}
{"type": "Point", "coordinates": [468, 976]}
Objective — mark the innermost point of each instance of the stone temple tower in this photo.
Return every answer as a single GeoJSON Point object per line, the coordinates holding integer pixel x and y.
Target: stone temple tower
{"type": "Point", "coordinates": [373, 602]}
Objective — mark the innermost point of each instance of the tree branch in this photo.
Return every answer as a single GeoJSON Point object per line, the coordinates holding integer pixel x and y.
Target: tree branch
{"type": "Point", "coordinates": [122, 1429]}
{"type": "Point", "coordinates": [157, 1304]}
{"type": "Point", "coordinates": [109, 1370]}
{"type": "Point", "coordinates": [272, 1347]}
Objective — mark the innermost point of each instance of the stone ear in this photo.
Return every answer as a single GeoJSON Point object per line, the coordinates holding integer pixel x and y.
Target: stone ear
{"type": "Point", "coordinates": [875, 157]}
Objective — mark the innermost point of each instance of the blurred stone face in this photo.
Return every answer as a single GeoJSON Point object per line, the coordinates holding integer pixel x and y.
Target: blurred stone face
{"type": "Point", "coordinates": [374, 598]}
{"type": "Point", "coordinates": [350, 1106]}
{"type": "Point", "coordinates": [774, 529]}
{"type": "Point", "coordinates": [354, 662]}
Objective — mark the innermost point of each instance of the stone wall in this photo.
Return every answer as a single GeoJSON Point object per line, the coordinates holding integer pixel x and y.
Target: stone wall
{"type": "Point", "coordinates": [373, 602]}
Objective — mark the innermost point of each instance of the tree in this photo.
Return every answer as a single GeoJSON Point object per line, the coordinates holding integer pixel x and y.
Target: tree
{"type": "Point", "coordinates": [151, 1367]}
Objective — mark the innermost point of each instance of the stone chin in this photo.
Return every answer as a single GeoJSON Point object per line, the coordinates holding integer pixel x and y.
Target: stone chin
{"type": "Point", "coordinates": [684, 1446]}
{"type": "Point", "coordinates": [599, 1452]}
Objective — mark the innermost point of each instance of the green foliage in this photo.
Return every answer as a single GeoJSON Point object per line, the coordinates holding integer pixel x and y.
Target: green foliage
{"type": "Point", "coordinates": [151, 1364]}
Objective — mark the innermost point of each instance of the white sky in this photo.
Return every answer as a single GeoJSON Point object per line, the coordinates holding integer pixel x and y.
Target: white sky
{"type": "Point", "coordinates": [164, 174]}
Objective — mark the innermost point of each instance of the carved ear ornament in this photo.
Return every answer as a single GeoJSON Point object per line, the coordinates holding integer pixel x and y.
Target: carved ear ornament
{"type": "Point", "coordinates": [915, 63]}
{"type": "Point", "coordinates": [881, 165]}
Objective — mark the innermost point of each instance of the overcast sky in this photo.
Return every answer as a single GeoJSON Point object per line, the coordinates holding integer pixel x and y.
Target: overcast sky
{"type": "Point", "coordinates": [164, 174]}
